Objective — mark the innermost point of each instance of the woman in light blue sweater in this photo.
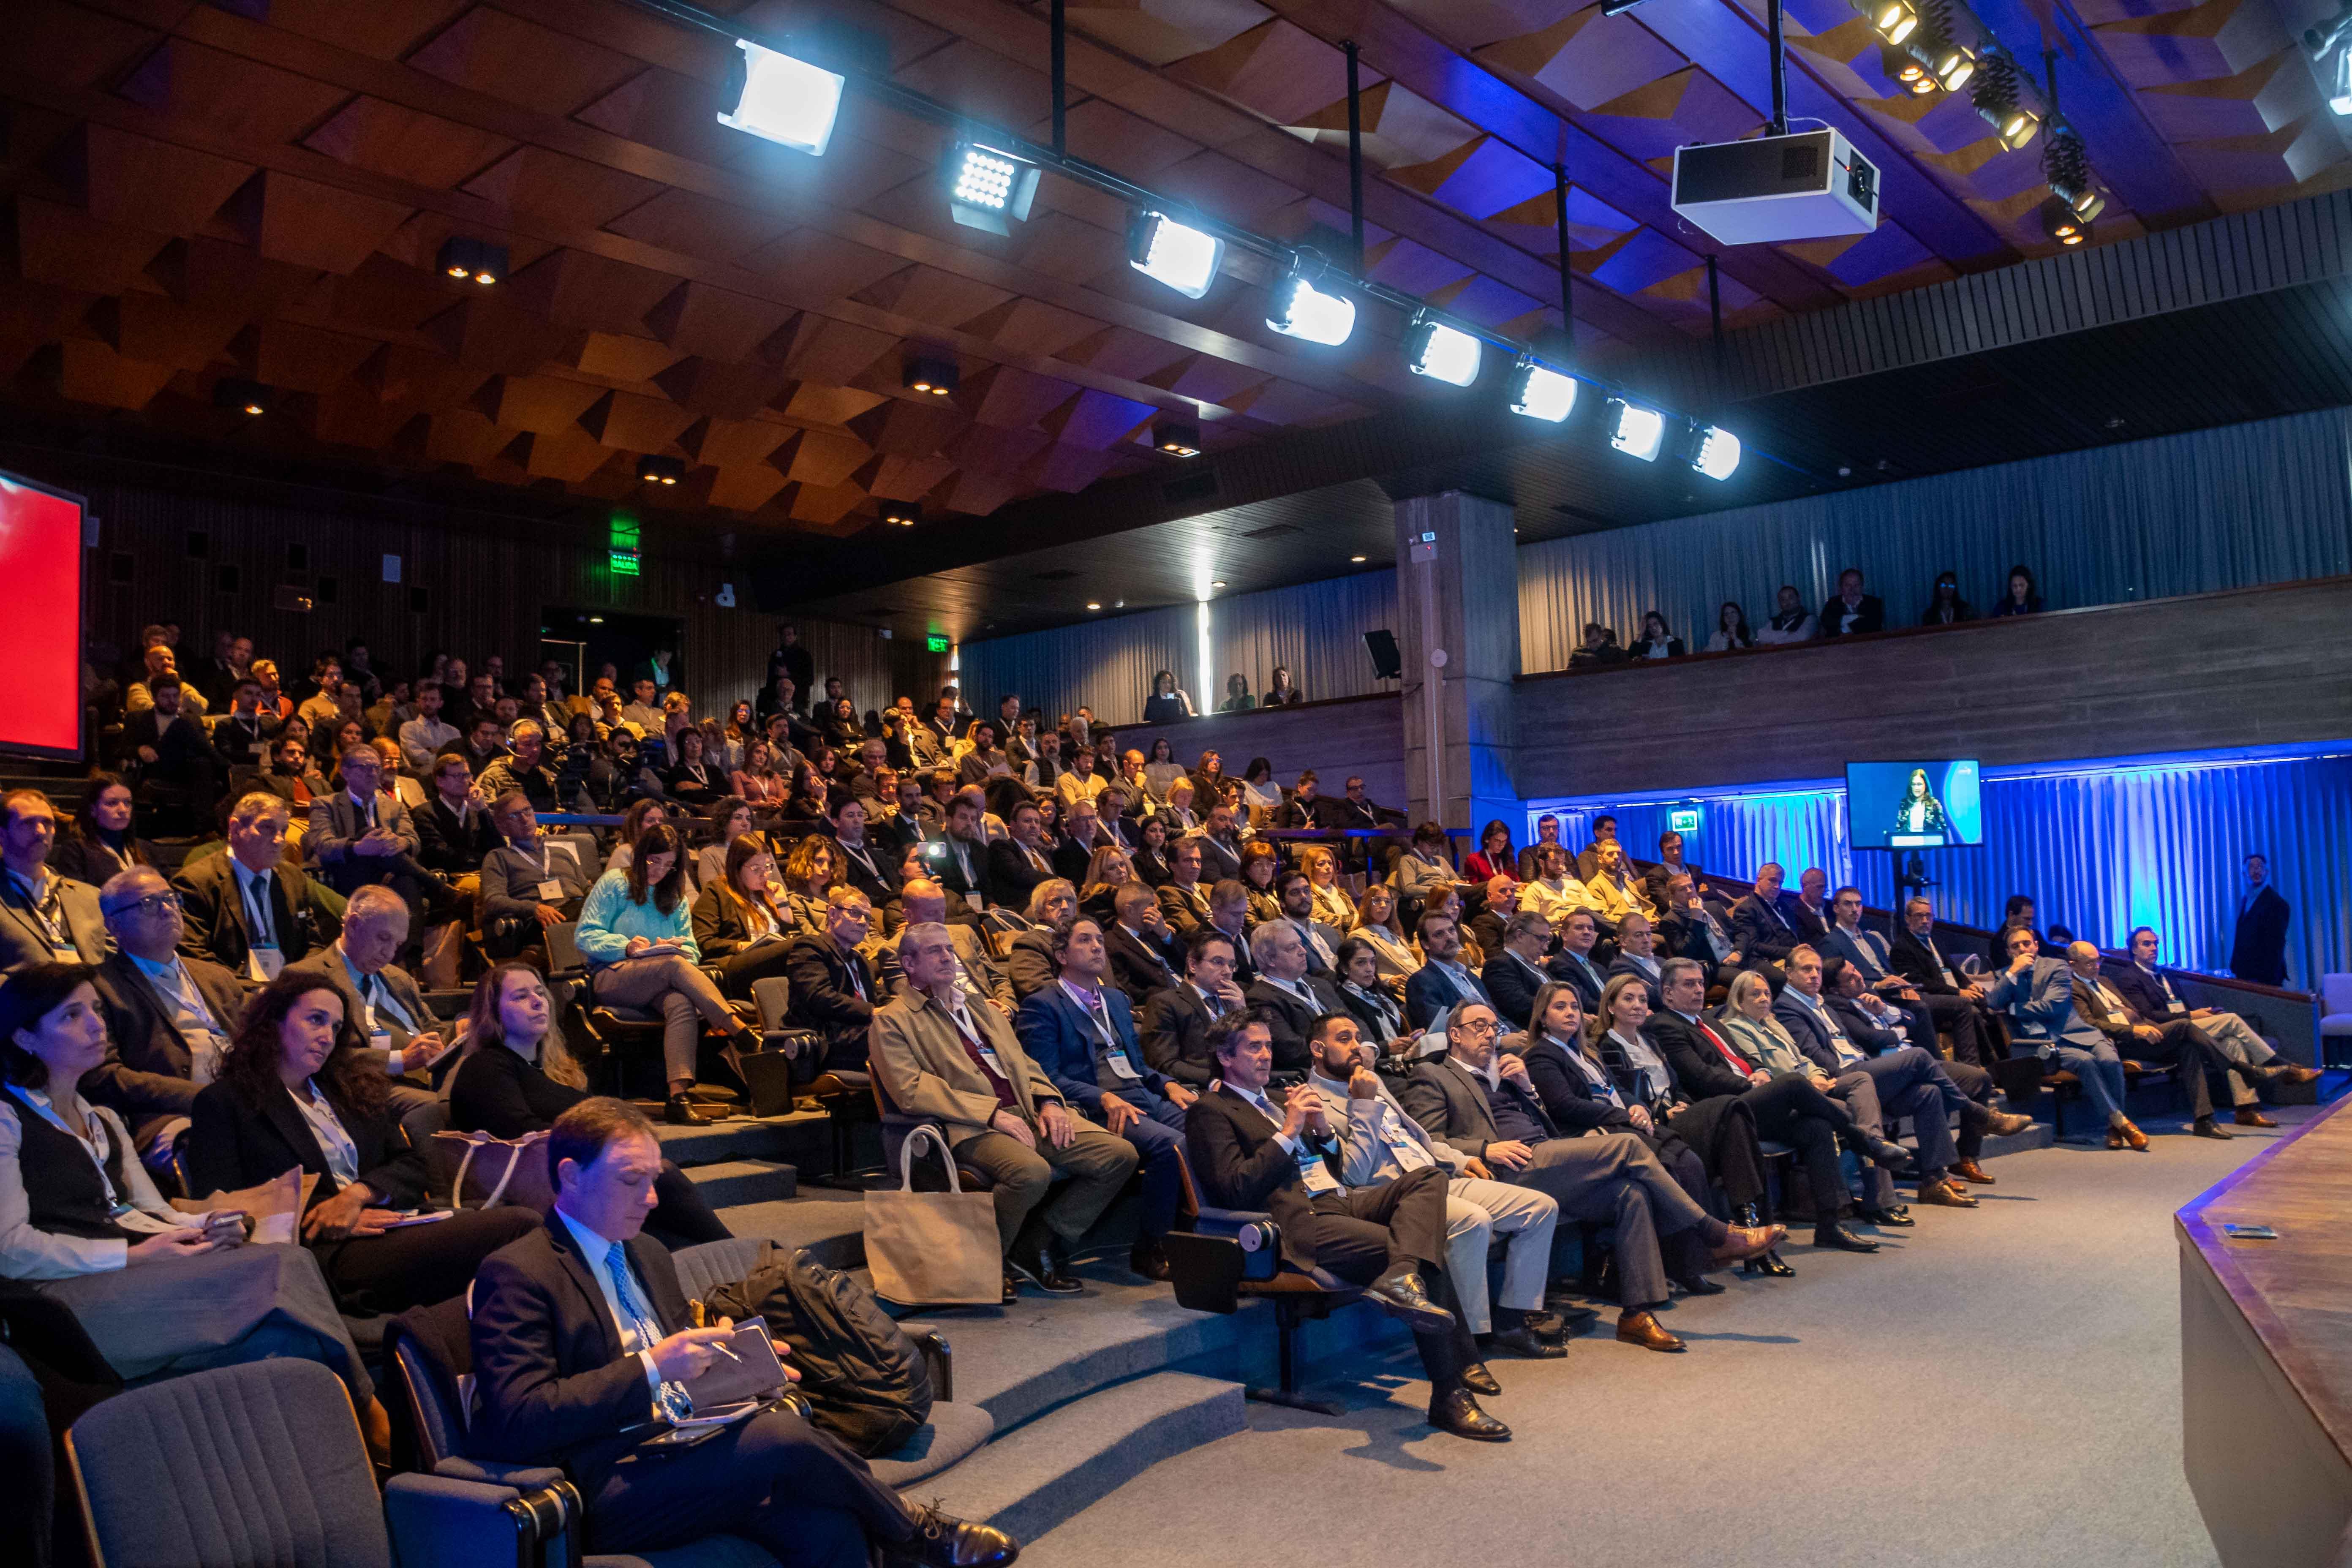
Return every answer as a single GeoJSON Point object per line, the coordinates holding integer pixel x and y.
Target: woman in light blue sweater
{"type": "Point", "coordinates": [637, 935]}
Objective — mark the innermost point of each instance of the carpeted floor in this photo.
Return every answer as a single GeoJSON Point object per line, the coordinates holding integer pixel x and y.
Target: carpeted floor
{"type": "Point", "coordinates": [2000, 1386]}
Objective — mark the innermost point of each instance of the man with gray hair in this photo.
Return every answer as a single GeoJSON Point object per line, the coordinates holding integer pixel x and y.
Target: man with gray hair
{"type": "Point", "coordinates": [248, 910]}
{"type": "Point", "coordinates": [361, 835]}
{"type": "Point", "coordinates": [168, 1017]}
{"type": "Point", "coordinates": [924, 903]}
{"type": "Point", "coordinates": [524, 767]}
{"type": "Point", "coordinates": [381, 1001]}
{"type": "Point", "coordinates": [2197, 1061]}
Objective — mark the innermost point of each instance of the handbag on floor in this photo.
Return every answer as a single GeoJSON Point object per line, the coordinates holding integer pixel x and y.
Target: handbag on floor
{"type": "Point", "coordinates": [933, 1250]}
{"type": "Point", "coordinates": [510, 1170]}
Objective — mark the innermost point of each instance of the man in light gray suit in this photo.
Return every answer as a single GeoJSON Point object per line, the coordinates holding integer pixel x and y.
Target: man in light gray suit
{"type": "Point", "coordinates": [363, 836]}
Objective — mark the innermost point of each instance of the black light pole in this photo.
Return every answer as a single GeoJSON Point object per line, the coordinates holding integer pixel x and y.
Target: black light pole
{"type": "Point", "coordinates": [1560, 215]}
{"type": "Point", "coordinates": [1355, 158]}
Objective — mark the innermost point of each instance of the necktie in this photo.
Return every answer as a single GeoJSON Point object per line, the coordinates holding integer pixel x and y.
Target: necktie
{"type": "Point", "coordinates": [257, 898]}
{"type": "Point", "coordinates": [671, 1396]}
{"type": "Point", "coordinates": [1738, 1062]}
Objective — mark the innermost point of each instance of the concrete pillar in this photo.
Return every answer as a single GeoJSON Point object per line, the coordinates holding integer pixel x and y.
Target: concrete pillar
{"type": "Point", "coordinates": [1458, 615]}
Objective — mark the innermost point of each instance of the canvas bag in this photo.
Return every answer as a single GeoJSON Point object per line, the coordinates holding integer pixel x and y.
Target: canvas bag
{"type": "Point", "coordinates": [933, 1250]}
{"type": "Point", "coordinates": [510, 1170]}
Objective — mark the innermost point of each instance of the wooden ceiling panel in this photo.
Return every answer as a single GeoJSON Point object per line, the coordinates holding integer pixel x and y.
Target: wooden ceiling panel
{"type": "Point", "coordinates": [819, 266]}
{"type": "Point", "coordinates": [227, 93]}
{"type": "Point", "coordinates": [579, 288]}
{"type": "Point", "coordinates": [819, 458]}
{"type": "Point", "coordinates": [306, 223]}
{"type": "Point", "coordinates": [927, 294]}
{"type": "Point", "coordinates": [400, 142]}
{"type": "Point", "coordinates": [613, 357]}
{"type": "Point", "coordinates": [496, 53]}
{"type": "Point", "coordinates": [733, 444]}
{"type": "Point", "coordinates": [894, 477]}
{"type": "Point", "coordinates": [663, 109]}
{"type": "Point", "coordinates": [485, 333]}
{"type": "Point", "coordinates": [160, 330]}
{"type": "Point", "coordinates": [745, 489]}
{"type": "Point", "coordinates": [67, 247]}
{"type": "Point", "coordinates": [834, 353]}
{"type": "Point", "coordinates": [304, 359]}
{"type": "Point", "coordinates": [74, 43]}
{"type": "Point", "coordinates": [717, 323]}
{"type": "Point", "coordinates": [693, 224]}
{"type": "Point", "coordinates": [716, 387]}
{"type": "Point", "coordinates": [541, 404]}
{"type": "Point", "coordinates": [544, 187]}
{"type": "Point", "coordinates": [387, 29]}
{"type": "Point", "coordinates": [137, 181]}
{"type": "Point", "coordinates": [813, 403]}
{"type": "Point", "coordinates": [90, 372]}
{"type": "Point", "coordinates": [629, 422]}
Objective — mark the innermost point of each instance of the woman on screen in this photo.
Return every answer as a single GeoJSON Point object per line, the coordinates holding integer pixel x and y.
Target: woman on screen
{"type": "Point", "coordinates": [1920, 812]}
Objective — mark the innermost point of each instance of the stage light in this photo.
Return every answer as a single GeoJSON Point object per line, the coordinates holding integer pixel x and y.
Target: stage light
{"type": "Point", "coordinates": [1540, 392]}
{"type": "Point", "coordinates": [1996, 98]}
{"type": "Point", "coordinates": [241, 397]}
{"type": "Point", "coordinates": [782, 100]}
{"type": "Point", "coordinates": [1094, 604]}
{"type": "Point", "coordinates": [654, 470]}
{"type": "Point", "coordinates": [1718, 452]}
{"type": "Point", "coordinates": [1953, 66]}
{"type": "Point", "coordinates": [935, 378]}
{"type": "Point", "coordinates": [1893, 20]}
{"type": "Point", "coordinates": [904, 513]}
{"type": "Point", "coordinates": [1174, 254]}
{"type": "Point", "coordinates": [2063, 224]}
{"type": "Point", "coordinates": [1177, 440]}
{"type": "Point", "coordinates": [1441, 352]}
{"type": "Point", "coordinates": [1301, 310]}
{"type": "Point", "coordinates": [478, 259]}
{"type": "Point", "coordinates": [1636, 431]}
{"type": "Point", "coordinates": [988, 189]}
{"type": "Point", "coordinates": [2339, 92]}
{"type": "Point", "coordinates": [2067, 163]}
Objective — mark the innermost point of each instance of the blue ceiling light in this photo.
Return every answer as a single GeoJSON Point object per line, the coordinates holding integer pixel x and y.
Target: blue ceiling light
{"type": "Point", "coordinates": [1540, 392]}
{"type": "Point", "coordinates": [1636, 431]}
{"type": "Point", "coordinates": [1297, 308]}
{"type": "Point", "coordinates": [1441, 352]}
{"type": "Point", "coordinates": [989, 189]}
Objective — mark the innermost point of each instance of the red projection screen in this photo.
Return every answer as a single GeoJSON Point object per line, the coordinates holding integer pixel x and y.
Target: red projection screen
{"type": "Point", "coordinates": [40, 635]}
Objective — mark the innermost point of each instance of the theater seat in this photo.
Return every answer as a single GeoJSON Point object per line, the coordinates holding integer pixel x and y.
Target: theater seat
{"type": "Point", "coordinates": [1234, 1255]}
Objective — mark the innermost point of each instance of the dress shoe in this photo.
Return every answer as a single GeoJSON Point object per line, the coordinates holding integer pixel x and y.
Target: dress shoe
{"type": "Point", "coordinates": [2295, 1073]}
{"type": "Point", "coordinates": [1969, 1170]}
{"type": "Point", "coordinates": [1148, 1259]}
{"type": "Point", "coordinates": [1742, 1243]}
{"type": "Point", "coordinates": [1527, 1344]}
{"type": "Point", "coordinates": [1402, 1295]}
{"type": "Point", "coordinates": [1457, 1412]}
{"type": "Point", "coordinates": [2116, 1138]}
{"type": "Point", "coordinates": [2204, 1127]}
{"type": "Point", "coordinates": [943, 1540]}
{"type": "Point", "coordinates": [1641, 1327]}
{"type": "Point", "coordinates": [1699, 1285]}
{"type": "Point", "coordinates": [2247, 1116]}
{"type": "Point", "coordinates": [1889, 1156]}
{"type": "Point", "coordinates": [1036, 1268]}
{"type": "Point", "coordinates": [1573, 1318]}
{"type": "Point", "coordinates": [1478, 1379]}
{"type": "Point", "coordinates": [2133, 1137]}
{"type": "Point", "coordinates": [1839, 1240]}
{"type": "Point", "coordinates": [1945, 1195]}
{"type": "Point", "coordinates": [1011, 1288]}
{"type": "Point", "coordinates": [1551, 1325]}
{"type": "Point", "coordinates": [713, 1094]}
{"type": "Point", "coordinates": [1770, 1265]}
{"type": "Point", "coordinates": [2002, 1124]}
{"type": "Point", "coordinates": [680, 1111]}
{"type": "Point", "coordinates": [1887, 1217]}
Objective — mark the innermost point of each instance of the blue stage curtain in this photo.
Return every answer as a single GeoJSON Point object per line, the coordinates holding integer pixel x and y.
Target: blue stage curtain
{"type": "Point", "coordinates": [2269, 501]}
{"type": "Point", "coordinates": [2100, 849]}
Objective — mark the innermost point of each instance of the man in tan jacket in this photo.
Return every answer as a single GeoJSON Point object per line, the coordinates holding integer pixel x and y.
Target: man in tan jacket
{"type": "Point", "coordinates": [938, 1057]}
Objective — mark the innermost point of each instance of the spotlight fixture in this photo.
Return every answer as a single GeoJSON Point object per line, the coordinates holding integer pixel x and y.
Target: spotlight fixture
{"type": "Point", "coordinates": [1540, 392]}
{"type": "Point", "coordinates": [988, 189]}
{"type": "Point", "coordinates": [1953, 66]}
{"type": "Point", "coordinates": [2067, 163]}
{"type": "Point", "coordinates": [654, 470]}
{"type": "Point", "coordinates": [1948, 63]}
{"type": "Point", "coordinates": [1441, 352]}
{"type": "Point", "coordinates": [935, 376]}
{"type": "Point", "coordinates": [462, 257]}
{"type": "Point", "coordinates": [1714, 451]}
{"type": "Point", "coordinates": [1639, 432]}
{"type": "Point", "coordinates": [1996, 98]}
{"type": "Point", "coordinates": [2339, 80]}
{"type": "Point", "coordinates": [782, 100]}
{"type": "Point", "coordinates": [1177, 440]}
{"type": "Point", "coordinates": [247, 398]}
{"type": "Point", "coordinates": [904, 513]}
{"type": "Point", "coordinates": [2063, 224]}
{"type": "Point", "coordinates": [1297, 308]}
{"type": "Point", "coordinates": [1173, 253]}
{"type": "Point", "coordinates": [1893, 20]}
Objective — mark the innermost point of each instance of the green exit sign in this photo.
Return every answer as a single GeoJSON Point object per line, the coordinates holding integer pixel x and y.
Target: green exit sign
{"type": "Point", "coordinates": [1684, 822]}
{"type": "Point", "coordinates": [935, 643]}
{"type": "Point", "coordinates": [625, 563]}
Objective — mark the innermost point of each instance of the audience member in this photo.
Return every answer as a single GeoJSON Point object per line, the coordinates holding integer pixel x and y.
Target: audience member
{"type": "Point", "coordinates": [1762, 923]}
{"type": "Point", "coordinates": [1494, 855]}
{"type": "Point", "coordinates": [1514, 972]}
{"type": "Point", "coordinates": [2019, 597]}
{"type": "Point", "coordinates": [1637, 954]}
{"type": "Point", "coordinates": [383, 1006]}
{"type": "Point", "coordinates": [1657, 640]}
{"type": "Point", "coordinates": [1580, 937]}
{"type": "Point", "coordinates": [529, 883]}
{"type": "Point", "coordinates": [2154, 999]}
{"type": "Point", "coordinates": [1280, 691]}
{"type": "Point", "coordinates": [2038, 995]}
{"type": "Point", "coordinates": [1875, 1028]}
{"type": "Point", "coordinates": [1944, 605]}
{"type": "Point", "coordinates": [833, 988]}
{"type": "Point", "coordinates": [1376, 925]}
{"type": "Point", "coordinates": [1237, 695]}
{"type": "Point", "coordinates": [978, 976]}
{"type": "Point", "coordinates": [168, 1017]}
{"type": "Point", "coordinates": [247, 910]}
{"type": "Point", "coordinates": [1145, 954]}
{"type": "Point", "coordinates": [1730, 629]}
{"type": "Point", "coordinates": [48, 918]}
{"type": "Point", "coordinates": [2258, 945]}
{"type": "Point", "coordinates": [1166, 701]}
{"type": "Point", "coordinates": [100, 842]}
{"type": "Point", "coordinates": [1424, 868]}
{"type": "Point", "coordinates": [1852, 611]}
{"type": "Point", "coordinates": [1790, 621]}
{"type": "Point", "coordinates": [361, 835]}
{"type": "Point", "coordinates": [524, 767]}
{"type": "Point", "coordinates": [1286, 995]}
{"type": "Point", "coordinates": [740, 926]}
{"type": "Point", "coordinates": [1871, 954]}
{"type": "Point", "coordinates": [1443, 980]}
{"type": "Point", "coordinates": [2197, 1061]}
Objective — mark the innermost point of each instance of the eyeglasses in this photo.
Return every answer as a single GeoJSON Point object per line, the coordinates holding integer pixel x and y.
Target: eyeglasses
{"type": "Point", "coordinates": [153, 904]}
{"type": "Point", "coordinates": [1482, 1026]}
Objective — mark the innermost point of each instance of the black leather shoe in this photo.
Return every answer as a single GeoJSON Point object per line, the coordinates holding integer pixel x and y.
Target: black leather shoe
{"type": "Point", "coordinates": [1886, 1218]}
{"type": "Point", "coordinates": [1549, 1325]}
{"type": "Point", "coordinates": [1458, 1413]}
{"type": "Point", "coordinates": [1890, 1156]}
{"type": "Point", "coordinates": [1401, 1296]}
{"type": "Point", "coordinates": [1527, 1344]}
{"type": "Point", "coordinates": [1699, 1285]}
{"type": "Point", "coordinates": [1478, 1379]}
{"type": "Point", "coordinates": [2204, 1127]}
{"type": "Point", "coordinates": [1771, 1265]}
{"type": "Point", "coordinates": [1838, 1238]}
{"type": "Point", "coordinates": [1044, 1273]}
{"type": "Point", "coordinates": [1148, 1258]}
{"type": "Point", "coordinates": [943, 1540]}
{"type": "Point", "coordinates": [680, 1113]}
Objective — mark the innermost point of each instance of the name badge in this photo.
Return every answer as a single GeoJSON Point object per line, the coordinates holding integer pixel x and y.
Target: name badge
{"type": "Point", "coordinates": [1116, 1056]}
{"type": "Point", "coordinates": [254, 748]}
{"type": "Point", "coordinates": [380, 1039]}
{"type": "Point", "coordinates": [987, 1055]}
{"type": "Point", "coordinates": [262, 964]}
{"type": "Point", "coordinates": [1316, 1175]}
{"type": "Point", "coordinates": [1950, 981]}
{"type": "Point", "coordinates": [2175, 1005]}
{"type": "Point", "coordinates": [551, 891]}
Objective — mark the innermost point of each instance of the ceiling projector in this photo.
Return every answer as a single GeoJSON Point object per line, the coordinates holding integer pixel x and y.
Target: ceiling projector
{"type": "Point", "coordinates": [1809, 186]}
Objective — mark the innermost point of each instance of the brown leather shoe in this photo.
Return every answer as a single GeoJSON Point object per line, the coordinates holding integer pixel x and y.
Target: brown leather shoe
{"type": "Point", "coordinates": [1745, 1242]}
{"type": "Point", "coordinates": [2299, 1075]}
{"type": "Point", "coordinates": [2002, 1124]}
{"type": "Point", "coordinates": [1641, 1327]}
{"type": "Point", "coordinates": [2116, 1139]}
{"type": "Point", "coordinates": [1969, 1170]}
{"type": "Point", "coordinates": [2133, 1137]}
{"type": "Point", "coordinates": [1943, 1196]}
{"type": "Point", "coordinates": [2247, 1116]}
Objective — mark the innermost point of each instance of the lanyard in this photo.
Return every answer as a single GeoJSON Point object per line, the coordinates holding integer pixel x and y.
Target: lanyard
{"type": "Point", "coordinates": [93, 1139]}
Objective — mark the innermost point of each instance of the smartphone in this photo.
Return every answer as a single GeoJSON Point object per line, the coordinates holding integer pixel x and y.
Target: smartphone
{"type": "Point", "coordinates": [2249, 1232]}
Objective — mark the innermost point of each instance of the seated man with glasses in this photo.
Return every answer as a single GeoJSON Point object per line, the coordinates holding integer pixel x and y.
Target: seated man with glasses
{"type": "Point", "coordinates": [168, 1015]}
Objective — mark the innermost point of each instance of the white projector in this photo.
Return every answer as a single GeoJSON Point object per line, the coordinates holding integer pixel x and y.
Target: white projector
{"type": "Point", "coordinates": [1809, 186]}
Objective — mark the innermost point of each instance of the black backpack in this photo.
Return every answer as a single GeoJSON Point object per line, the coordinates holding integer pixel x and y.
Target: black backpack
{"type": "Point", "coordinates": [863, 1377]}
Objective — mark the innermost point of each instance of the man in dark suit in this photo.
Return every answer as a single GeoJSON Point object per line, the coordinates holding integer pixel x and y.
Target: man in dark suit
{"type": "Point", "coordinates": [1249, 1152]}
{"type": "Point", "coordinates": [1298, 897]}
{"type": "Point", "coordinates": [581, 1349]}
{"type": "Point", "coordinates": [1762, 924]}
{"type": "Point", "coordinates": [1081, 1032]}
{"type": "Point", "coordinates": [247, 910]}
{"type": "Point", "coordinates": [1690, 929]}
{"type": "Point", "coordinates": [1874, 957]}
{"type": "Point", "coordinates": [2197, 1061]}
{"type": "Point", "coordinates": [1443, 980]}
{"type": "Point", "coordinates": [44, 918]}
{"type": "Point", "coordinates": [1919, 959]}
{"type": "Point", "coordinates": [1637, 954]}
{"type": "Point", "coordinates": [1515, 971]}
{"type": "Point", "coordinates": [1669, 864]}
{"type": "Point", "coordinates": [1145, 955]}
{"type": "Point", "coordinates": [1229, 913]}
{"type": "Point", "coordinates": [1221, 850]}
{"type": "Point", "coordinates": [1306, 810]}
{"type": "Point", "coordinates": [1608, 1178]}
{"type": "Point", "coordinates": [1184, 899]}
{"type": "Point", "coordinates": [2154, 998]}
{"type": "Point", "coordinates": [1016, 865]}
{"type": "Point", "coordinates": [924, 903]}
{"type": "Point", "coordinates": [833, 989]}
{"type": "Point", "coordinates": [1175, 1028]}
{"type": "Point", "coordinates": [1547, 832]}
{"type": "Point", "coordinates": [1877, 1028]}
{"type": "Point", "coordinates": [454, 832]}
{"type": "Point", "coordinates": [1580, 936]}
{"type": "Point", "coordinates": [166, 1016]}
{"type": "Point", "coordinates": [1852, 612]}
{"type": "Point", "coordinates": [361, 835]}
{"type": "Point", "coordinates": [1588, 859]}
{"type": "Point", "coordinates": [963, 869]}
{"type": "Point", "coordinates": [2258, 947]}
{"type": "Point", "coordinates": [1289, 998]}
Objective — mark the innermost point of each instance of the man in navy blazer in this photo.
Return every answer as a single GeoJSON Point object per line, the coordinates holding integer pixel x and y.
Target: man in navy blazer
{"type": "Point", "coordinates": [1869, 953]}
{"type": "Point", "coordinates": [2258, 945]}
{"type": "Point", "coordinates": [1763, 923]}
{"type": "Point", "coordinates": [1444, 979]}
{"type": "Point", "coordinates": [1080, 1031]}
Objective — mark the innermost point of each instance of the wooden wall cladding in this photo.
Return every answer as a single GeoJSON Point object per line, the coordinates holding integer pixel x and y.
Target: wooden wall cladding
{"type": "Point", "coordinates": [1347, 735]}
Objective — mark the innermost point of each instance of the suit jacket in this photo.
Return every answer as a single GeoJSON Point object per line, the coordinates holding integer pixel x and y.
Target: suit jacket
{"type": "Point", "coordinates": [1140, 966]}
{"type": "Point", "coordinates": [1174, 1034]}
{"type": "Point", "coordinates": [1061, 1040]}
{"type": "Point", "coordinates": [1806, 1030]}
{"type": "Point", "coordinates": [1029, 962]}
{"type": "Point", "coordinates": [335, 825]}
{"type": "Point", "coordinates": [971, 951]}
{"type": "Point", "coordinates": [2258, 947]}
{"type": "Point", "coordinates": [1870, 616]}
{"type": "Point", "coordinates": [1581, 972]}
{"type": "Point", "coordinates": [1758, 934]}
{"type": "Point", "coordinates": [1186, 912]}
{"type": "Point", "coordinates": [1574, 1104]}
{"type": "Point", "coordinates": [1458, 1112]}
{"type": "Point", "coordinates": [977, 888]}
{"type": "Point", "coordinates": [331, 965]}
{"type": "Point", "coordinates": [216, 930]}
{"type": "Point", "coordinates": [1838, 942]}
{"type": "Point", "coordinates": [2041, 1006]}
{"type": "Point", "coordinates": [1909, 957]}
{"type": "Point", "coordinates": [1689, 937]}
{"type": "Point", "coordinates": [1864, 1030]}
{"type": "Point", "coordinates": [1656, 874]}
{"type": "Point", "coordinates": [445, 846]}
{"type": "Point", "coordinates": [21, 940]}
{"type": "Point", "coordinates": [2115, 1026]}
{"type": "Point", "coordinates": [1294, 1020]}
{"type": "Point", "coordinates": [232, 1144]}
{"type": "Point", "coordinates": [1236, 1163]}
{"type": "Point", "coordinates": [1011, 876]}
{"type": "Point", "coordinates": [1430, 991]}
{"type": "Point", "coordinates": [148, 1073]}
{"type": "Point", "coordinates": [1220, 862]}
{"type": "Point", "coordinates": [834, 993]}
{"type": "Point", "coordinates": [551, 1384]}
{"type": "Point", "coordinates": [924, 1071]}
{"type": "Point", "coordinates": [1365, 1159]}
{"type": "Point", "coordinates": [1331, 938]}
{"type": "Point", "coordinates": [1624, 964]}
{"type": "Point", "coordinates": [1512, 986]}
{"type": "Point", "coordinates": [2145, 992]}
{"type": "Point", "coordinates": [1698, 1068]}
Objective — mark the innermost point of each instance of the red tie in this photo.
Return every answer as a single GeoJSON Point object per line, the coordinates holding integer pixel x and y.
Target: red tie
{"type": "Point", "coordinates": [1740, 1063]}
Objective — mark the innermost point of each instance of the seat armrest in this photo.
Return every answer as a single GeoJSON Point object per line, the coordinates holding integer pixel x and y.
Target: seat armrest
{"type": "Point", "coordinates": [496, 1473]}
{"type": "Point", "coordinates": [938, 1361]}
{"type": "Point", "coordinates": [439, 1521]}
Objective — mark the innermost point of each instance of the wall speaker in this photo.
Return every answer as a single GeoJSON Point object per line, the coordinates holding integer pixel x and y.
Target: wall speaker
{"type": "Point", "coordinates": [1388, 664]}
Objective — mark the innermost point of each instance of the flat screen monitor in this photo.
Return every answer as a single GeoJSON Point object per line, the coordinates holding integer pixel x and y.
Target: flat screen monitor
{"type": "Point", "coordinates": [1913, 805]}
{"type": "Point", "coordinates": [41, 636]}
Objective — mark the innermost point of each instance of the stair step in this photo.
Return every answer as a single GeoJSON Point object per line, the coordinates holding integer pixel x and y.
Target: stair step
{"type": "Point", "coordinates": [829, 1224]}
{"type": "Point", "coordinates": [723, 1183]}
{"type": "Point", "coordinates": [1032, 1479]}
{"type": "Point", "coordinates": [785, 1138]}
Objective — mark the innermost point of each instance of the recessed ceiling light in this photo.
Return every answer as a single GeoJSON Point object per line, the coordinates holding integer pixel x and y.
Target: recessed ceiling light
{"type": "Point", "coordinates": [1217, 584]}
{"type": "Point", "coordinates": [595, 620]}
{"type": "Point", "coordinates": [1357, 558]}
{"type": "Point", "coordinates": [1093, 605]}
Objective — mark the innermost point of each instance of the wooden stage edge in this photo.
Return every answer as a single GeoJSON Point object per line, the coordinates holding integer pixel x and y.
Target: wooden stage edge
{"type": "Point", "coordinates": [2266, 1352]}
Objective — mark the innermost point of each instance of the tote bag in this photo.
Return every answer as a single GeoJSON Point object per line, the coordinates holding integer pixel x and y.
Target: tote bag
{"type": "Point", "coordinates": [933, 1250]}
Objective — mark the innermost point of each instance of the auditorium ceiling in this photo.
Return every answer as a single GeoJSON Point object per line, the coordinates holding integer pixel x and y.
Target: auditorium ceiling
{"type": "Point", "coordinates": [259, 191]}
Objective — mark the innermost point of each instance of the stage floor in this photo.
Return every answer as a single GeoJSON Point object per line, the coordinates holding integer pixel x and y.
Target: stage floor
{"type": "Point", "coordinates": [1995, 1386]}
